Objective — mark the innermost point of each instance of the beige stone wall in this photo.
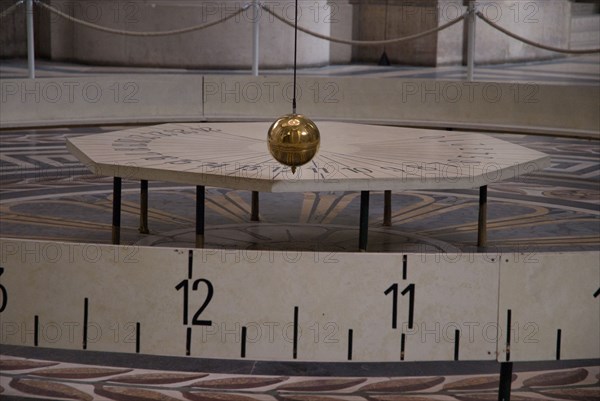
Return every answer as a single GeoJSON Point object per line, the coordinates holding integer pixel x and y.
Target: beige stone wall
{"type": "Point", "coordinates": [13, 34]}
{"type": "Point", "coordinates": [451, 42]}
{"type": "Point", "coordinates": [228, 45]}
{"type": "Point", "coordinates": [544, 21]}
{"type": "Point", "coordinates": [340, 14]}
{"type": "Point", "coordinates": [404, 17]}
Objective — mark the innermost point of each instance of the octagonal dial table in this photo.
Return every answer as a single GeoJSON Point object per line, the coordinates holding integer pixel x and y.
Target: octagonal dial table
{"type": "Point", "coordinates": [352, 157]}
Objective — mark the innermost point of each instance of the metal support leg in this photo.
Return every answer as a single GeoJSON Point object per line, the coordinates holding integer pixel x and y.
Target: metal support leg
{"type": "Point", "coordinates": [364, 221]}
{"type": "Point", "coordinates": [505, 381]}
{"type": "Point", "coordinates": [254, 215]}
{"type": "Point", "coordinates": [482, 222]}
{"type": "Point", "coordinates": [116, 218]}
{"type": "Point", "coordinates": [200, 199]}
{"type": "Point", "coordinates": [144, 207]}
{"type": "Point", "coordinates": [387, 208]}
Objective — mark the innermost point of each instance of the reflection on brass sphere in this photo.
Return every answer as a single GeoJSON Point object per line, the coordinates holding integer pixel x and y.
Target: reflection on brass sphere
{"type": "Point", "coordinates": [293, 140]}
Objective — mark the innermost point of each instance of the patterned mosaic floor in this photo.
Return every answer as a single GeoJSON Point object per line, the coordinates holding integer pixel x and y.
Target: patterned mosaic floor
{"type": "Point", "coordinates": [59, 380]}
{"type": "Point", "coordinates": [46, 194]}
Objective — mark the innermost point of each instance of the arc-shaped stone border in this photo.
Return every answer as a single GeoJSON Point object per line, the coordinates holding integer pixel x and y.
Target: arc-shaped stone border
{"type": "Point", "coordinates": [529, 108]}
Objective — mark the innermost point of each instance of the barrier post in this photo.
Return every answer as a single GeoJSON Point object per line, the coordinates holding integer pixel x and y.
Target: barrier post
{"type": "Point", "coordinates": [471, 18]}
{"type": "Point", "coordinates": [30, 42]}
{"type": "Point", "coordinates": [255, 40]}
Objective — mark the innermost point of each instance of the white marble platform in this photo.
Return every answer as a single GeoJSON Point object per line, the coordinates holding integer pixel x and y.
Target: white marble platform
{"type": "Point", "coordinates": [352, 157]}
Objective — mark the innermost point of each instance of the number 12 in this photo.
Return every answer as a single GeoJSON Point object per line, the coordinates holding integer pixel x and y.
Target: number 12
{"type": "Point", "coordinates": [185, 285]}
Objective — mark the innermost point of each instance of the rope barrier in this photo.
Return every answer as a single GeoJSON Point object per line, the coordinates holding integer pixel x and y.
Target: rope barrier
{"type": "Point", "coordinates": [365, 42]}
{"type": "Point", "coordinates": [10, 9]}
{"type": "Point", "coordinates": [277, 16]}
{"type": "Point", "coordinates": [136, 33]}
{"type": "Point", "coordinates": [532, 43]}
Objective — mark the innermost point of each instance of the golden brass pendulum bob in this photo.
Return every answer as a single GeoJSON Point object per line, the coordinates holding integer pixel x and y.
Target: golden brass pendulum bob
{"type": "Point", "coordinates": [293, 140]}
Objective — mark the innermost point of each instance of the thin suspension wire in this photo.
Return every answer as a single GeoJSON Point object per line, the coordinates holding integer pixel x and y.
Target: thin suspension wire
{"type": "Point", "coordinates": [295, 56]}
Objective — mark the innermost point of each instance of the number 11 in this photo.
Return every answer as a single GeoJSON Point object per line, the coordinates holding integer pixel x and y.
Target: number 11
{"type": "Point", "coordinates": [410, 289]}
